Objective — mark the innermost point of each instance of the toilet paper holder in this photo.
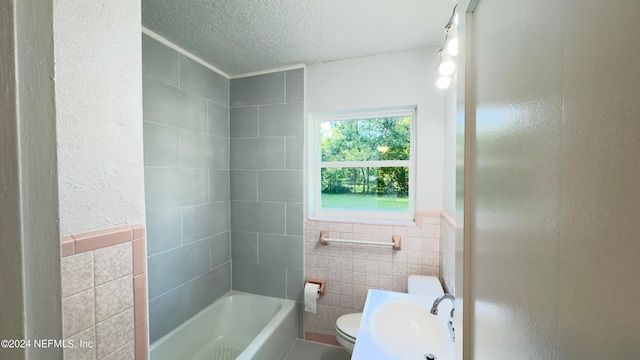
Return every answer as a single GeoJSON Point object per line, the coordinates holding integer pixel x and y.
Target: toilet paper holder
{"type": "Point", "coordinates": [318, 282]}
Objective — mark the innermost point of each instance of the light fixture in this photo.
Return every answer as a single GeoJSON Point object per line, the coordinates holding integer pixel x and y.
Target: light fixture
{"type": "Point", "coordinates": [443, 82]}
{"type": "Point", "coordinates": [452, 46]}
{"type": "Point", "coordinates": [453, 20]}
{"type": "Point", "coordinates": [447, 65]}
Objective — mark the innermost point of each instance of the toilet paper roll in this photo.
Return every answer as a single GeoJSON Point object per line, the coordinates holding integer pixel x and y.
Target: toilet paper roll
{"type": "Point", "coordinates": [311, 294]}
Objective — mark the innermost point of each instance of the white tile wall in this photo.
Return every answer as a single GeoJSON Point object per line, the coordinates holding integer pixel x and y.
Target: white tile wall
{"type": "Point", "coordinates": [124, 353]}
{"type": "Point", "coordinates": [78, 312]}
{"type": "Point", "coordinates": [77, 273]}
{"type": "Point", "coordinates": [113, 262]}
{"type": "Point", "coordinates": [448, 257]}
{"type": "Point", "coordinates": [82, 353]}
{"type": "Point", "coordinates": [114, 333]}
{"type": "Point", "coordinates": [114, 297]}
{"type": "Point", "coordinates": [97, 288]}
{"type": "Point", "coordinates": [350, 270]}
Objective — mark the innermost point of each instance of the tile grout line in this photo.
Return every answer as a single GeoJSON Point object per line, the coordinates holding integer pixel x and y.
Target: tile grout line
{"type": "Point", "coordinates": [120, 348]}
{"type": "Point", "coordinates": [177, 87]}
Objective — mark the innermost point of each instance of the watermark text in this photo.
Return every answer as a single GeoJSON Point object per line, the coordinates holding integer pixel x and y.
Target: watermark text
{"type": "Point", "coordinates": [44, 344]}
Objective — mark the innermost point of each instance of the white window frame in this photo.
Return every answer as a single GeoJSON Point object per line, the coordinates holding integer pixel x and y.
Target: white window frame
{"type": "Point", "coordinates": [316, 164]}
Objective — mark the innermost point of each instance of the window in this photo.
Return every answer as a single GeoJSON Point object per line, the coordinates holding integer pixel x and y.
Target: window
{"type": "Point", "coordinates": [362, 164]}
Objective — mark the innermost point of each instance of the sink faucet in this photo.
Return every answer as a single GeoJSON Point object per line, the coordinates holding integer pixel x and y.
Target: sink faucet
{"type": "Point", "coordinates": [434, 308]}
{"type": "Point", "coordinates": [434, 311]}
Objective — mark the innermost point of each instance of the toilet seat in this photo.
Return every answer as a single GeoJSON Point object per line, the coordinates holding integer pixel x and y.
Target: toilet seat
{"type": "Point", "coordinates": [345, 336]}
{"type": "Point", "coordinates": [347, 326]}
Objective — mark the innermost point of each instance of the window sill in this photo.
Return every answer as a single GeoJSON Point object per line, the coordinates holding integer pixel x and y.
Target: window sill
{"type": "Point", "coordinates": [364, 221]}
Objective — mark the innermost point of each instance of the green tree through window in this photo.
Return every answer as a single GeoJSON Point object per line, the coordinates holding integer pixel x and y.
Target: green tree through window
{"type": "Point", "coordinates": [358, 163]}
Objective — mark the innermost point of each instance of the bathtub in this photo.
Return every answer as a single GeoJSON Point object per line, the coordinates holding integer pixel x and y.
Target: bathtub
{"type": "Point", "coordinates": [237, 326]}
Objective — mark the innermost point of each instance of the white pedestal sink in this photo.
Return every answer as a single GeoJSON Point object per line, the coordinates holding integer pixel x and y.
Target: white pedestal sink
{"type": "Point", "coordinates": [399, 326]}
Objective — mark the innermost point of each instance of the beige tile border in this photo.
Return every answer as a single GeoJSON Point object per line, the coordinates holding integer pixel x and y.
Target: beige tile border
{"type": "Point", "coordinates": [68, 246]}
{"type": "Point", "coordinates": [321, 338]}
{"type": "Point", "coordinates": [449, 221]}
{"type": "Point", "coordinates": [426, 214]}
{"type": "Point", "coordinates": [139, 257]}
{"type": "Point", "coordinates": [79, 243]}
{"type": "Point", "coordinates": [96, 239]}
{"type": "Point", "coordinates": [139, 297]}
{"type": "Point", "coordinates": [142, 339]}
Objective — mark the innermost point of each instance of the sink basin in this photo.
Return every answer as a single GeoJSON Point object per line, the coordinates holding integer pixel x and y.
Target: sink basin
{"type": "Point", "coordinates": [405, 330]}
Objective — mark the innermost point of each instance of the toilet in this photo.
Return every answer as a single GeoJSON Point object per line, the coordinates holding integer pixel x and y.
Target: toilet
{"type": "Point", "coordinates": [347, 325]}
{"type": "Point", "coordinates": [346, 329]}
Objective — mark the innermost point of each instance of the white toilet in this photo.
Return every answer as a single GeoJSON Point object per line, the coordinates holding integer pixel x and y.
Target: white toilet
{"type": "Point", "coordinates": [346, 329]}
{"type": "Point", "coordinates": [347, 325]}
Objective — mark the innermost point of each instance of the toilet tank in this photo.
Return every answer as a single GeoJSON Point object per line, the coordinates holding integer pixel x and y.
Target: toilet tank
{"type": "Point", "coordinates": [424, 285]}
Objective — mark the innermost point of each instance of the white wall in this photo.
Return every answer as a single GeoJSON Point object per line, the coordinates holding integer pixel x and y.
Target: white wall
{"type": "Point", "coordinates": [30, 303]}
{"type": "Point", "coordinates": [393, 79]}
{"type": "Point", "coordinates": [99, 113]}
{"type": "Point", "coordinates": [449, 152]}
{"type": "Point", "coordinates": [447, 230]}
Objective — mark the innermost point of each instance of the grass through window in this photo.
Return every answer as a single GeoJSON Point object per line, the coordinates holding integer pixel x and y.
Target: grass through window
{"type": "Point", "coordinates": [365, 201]}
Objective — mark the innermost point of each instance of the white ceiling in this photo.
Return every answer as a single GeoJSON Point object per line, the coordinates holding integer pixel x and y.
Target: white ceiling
{"type": "Point", "coordinates": [241, 36]}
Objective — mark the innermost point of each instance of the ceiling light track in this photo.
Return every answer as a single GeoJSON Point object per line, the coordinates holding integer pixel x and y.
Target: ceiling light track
{"type": "Point", "coordinates": [448, 51]}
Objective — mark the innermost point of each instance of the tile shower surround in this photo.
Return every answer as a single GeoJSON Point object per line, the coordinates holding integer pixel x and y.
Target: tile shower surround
{"type": "Point", "coordinates": [243, 166]}
{"type": "Point", "coordinates": [266, 158]}
{"type": "Point", "coordinates": [104, 293]}
{"type": "Point", "coordinates": [350, 270]}
{"type": "Point", "coordinates": [264, 182]}
{"type": "Point", "coordinates": [186, 158]}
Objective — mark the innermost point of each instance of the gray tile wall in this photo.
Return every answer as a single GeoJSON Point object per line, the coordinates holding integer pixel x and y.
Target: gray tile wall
{"type": "Point", "coordinates": [266, 156]}
{"type": "Point", "coordinates": [186, 153]}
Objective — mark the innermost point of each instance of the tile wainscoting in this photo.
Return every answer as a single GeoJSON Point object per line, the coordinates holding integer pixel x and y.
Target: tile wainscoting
{"type": "Point", "coordinates": [104, 294]}
{"type": "Point", "coordinates": [350, 270]}
{"type": "Point", "coordinates": [448, 253]}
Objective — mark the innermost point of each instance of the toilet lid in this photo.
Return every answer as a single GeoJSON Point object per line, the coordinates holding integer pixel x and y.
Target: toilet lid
{"type": "Point", "coordinates": [348, 324]}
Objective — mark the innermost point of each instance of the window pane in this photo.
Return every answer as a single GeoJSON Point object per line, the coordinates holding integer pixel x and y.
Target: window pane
{"type": "Point", "coordinates": [384, 138]}
{"type": "Point", "coordinates": [365, 188]}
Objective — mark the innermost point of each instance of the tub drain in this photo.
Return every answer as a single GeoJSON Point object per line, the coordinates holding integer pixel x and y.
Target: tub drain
{"type": "Point", "coordinates": [224, 353]}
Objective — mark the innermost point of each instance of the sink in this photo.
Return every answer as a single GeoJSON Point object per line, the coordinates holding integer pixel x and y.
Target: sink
{"type": "Point", "coordinates": [399, 326]}
{"type": "Point", "coordinates": [405, 330]}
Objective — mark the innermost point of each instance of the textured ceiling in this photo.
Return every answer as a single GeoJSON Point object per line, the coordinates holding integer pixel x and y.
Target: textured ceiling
{"type": "Point", "coordinates": [240, 36]}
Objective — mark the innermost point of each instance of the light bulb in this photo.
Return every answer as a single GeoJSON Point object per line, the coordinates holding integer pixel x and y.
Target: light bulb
{"type": "Point", "coordinates": [447, 67]}
{"type": "Point", "coordinates": [452, 46]}
{"type": "Point", "coordinates": [443, 82]}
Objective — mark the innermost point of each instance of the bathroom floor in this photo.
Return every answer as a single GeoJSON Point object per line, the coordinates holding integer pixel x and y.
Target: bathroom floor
{"type": "Point", "coordinates": [304, 350]}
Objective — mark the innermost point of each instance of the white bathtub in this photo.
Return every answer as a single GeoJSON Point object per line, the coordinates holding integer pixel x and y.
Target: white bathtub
{"type": "Point", "coordinates": [237, 326]}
